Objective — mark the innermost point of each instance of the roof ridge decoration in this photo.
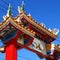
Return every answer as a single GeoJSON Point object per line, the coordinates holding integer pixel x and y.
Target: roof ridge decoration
{"type": "Point", "coordinates": [41, 26]}
{"type": "Point", "coordinates": [21, 10]}
{"type": "Point", "coordinates": [22, 6]}
{"type": "Point", "coordinates": [55, 31]}
{"type": "Point", "coordinates": [19, 26]}
{"type": "Point", "coordinates": [52, 33]}
{"type": "Point", "coordinates": [29, 14]}
{"type": "Point", "coordinates": [9, 12]}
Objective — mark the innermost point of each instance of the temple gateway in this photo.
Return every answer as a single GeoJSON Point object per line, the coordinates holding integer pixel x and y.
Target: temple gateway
{"type": "Point", "coordinates": [24, 32]}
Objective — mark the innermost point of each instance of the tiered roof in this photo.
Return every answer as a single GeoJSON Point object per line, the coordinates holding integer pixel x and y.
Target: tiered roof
{"type": "Point", "coordinates": [16, 24]}
{"type": "Point", "coordinates": [14, 21]}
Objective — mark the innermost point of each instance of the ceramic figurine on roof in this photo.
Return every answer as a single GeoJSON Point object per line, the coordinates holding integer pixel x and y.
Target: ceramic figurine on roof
{"type": "Point", "coordinates": [9, 12]}
{"type": "Point", "coordinates": [21, 10]}
{"type": "Point", "coordinates": [22, 5]}
{"type": "Point", "coordinates": [24, 32]}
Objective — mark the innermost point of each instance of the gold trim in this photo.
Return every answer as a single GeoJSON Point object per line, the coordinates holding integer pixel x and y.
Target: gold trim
{"type": "Point", "coordinates": [31, 20]}
{"type": "Point", "coordinates": [57, 48]}
{"type": "Point", "coordinates": [39, 26]}
{"type": "Point", "coordinates": [18, 26]}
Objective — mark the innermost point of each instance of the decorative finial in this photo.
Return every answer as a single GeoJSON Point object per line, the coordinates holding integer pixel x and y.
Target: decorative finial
{"type": "Point", "coordinates": [50, 29]}
{"type": "Point", "coordinates": [19, 10]}
{"type": "Point", "coordinates": [4, 17]}
{"type": "Point", "coordinates": [9, 12]}
{"type": "Point", "coordinates": [42, 24]}
{"type": "Point", "coordinates": [29, 14]}
{"type": "Point", "coordinates": [22, 6]}
{"type": "Point", "coordinates": [55, 31]}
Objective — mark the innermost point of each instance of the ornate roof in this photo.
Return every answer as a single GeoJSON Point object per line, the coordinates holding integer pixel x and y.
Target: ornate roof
{"type": "Point", "coordinates": [15, 21]}
{"type": "Point", "coordinates": [36, 24]}
{"type": "Point", "coordinates": [16, 24]}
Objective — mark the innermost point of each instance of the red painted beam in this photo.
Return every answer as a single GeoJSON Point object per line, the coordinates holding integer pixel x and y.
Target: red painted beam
{"type": "Point", "coordinates": [46, 37]}
{"type": "Point", "coordinates": [30, 26]}
{"type": "Point", "coordinates": [38, 53]}
{"type": "Point", "coordinates": [52, 39]}
{"type": "Point", "coordinates": [24, 46]}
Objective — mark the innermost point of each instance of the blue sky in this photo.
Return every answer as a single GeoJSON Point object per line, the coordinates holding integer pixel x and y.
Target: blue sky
{"type": "Point", "coordinates": [43, 11]}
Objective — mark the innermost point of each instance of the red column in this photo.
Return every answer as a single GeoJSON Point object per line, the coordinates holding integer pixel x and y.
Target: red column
{"type": "Point", "coordinates": [11, 50]}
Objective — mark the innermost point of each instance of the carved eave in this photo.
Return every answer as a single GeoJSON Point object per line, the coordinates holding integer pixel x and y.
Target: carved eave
{"type": "Point", "coordinates": [17, 25]}
{"type": "Point", "coordinates": [57, 48]}
{"type": "Point", "coordinates": [39, 26]}
{"type": "Point", "coordinates": [31, 20]}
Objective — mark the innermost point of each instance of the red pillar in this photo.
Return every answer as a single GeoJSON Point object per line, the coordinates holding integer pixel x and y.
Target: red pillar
{"type": "Point", "coordinates": [11, 50]}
